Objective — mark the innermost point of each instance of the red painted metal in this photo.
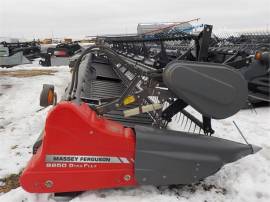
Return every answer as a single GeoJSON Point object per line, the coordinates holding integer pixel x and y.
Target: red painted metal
{"type": "Point", "coordinates": [76, 130]}
{"type": "Point", "coordinates": [60, 53]}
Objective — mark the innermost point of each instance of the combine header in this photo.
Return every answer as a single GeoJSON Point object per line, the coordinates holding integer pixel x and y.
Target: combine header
{"type": "Point", "coordinates": [127, 118]}
{"type": "Point", "coordinates": [18, 53]}
{"type": "Point", "coordinates": [60, 55]}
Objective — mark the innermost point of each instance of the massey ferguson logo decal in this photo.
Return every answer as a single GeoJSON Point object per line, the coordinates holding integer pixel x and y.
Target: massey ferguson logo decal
{"type": "Point", "coordinates": [84, 159]}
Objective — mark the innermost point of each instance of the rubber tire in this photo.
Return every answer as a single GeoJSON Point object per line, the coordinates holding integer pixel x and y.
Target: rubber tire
{"type": "Point", "coordinates": [44, 95]}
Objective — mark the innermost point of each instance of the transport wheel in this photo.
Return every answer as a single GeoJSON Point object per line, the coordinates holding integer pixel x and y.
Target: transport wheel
{"type": "Point", "coordinates": [47, 96]}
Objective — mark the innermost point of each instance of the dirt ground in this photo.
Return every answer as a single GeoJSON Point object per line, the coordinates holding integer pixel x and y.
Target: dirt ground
{"type": "Point", "coordinates": [27, 73]}
{"type": "Point", "coordinates": [10, 182]}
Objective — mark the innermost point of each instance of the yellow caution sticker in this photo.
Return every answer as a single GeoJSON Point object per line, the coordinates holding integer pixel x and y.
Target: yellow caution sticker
{"type": "Point", "coordinates": [129, 99]}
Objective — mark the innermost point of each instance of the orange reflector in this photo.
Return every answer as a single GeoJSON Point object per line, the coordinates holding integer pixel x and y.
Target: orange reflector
{"type": "Point", "coordinates": [50, 97]}
{"type": "Point", "coordinates": [258, 55]}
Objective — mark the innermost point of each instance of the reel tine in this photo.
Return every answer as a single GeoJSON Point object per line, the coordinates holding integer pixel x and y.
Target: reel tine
{"type": "Point", "coordinates": [180, 114]}
{"type": "Point", "coordinates": [190, 125]}
{"type": "Point", "coordinates": [183, 120]}
{"type": "Point", "coordinates": [194, 128]}
{"type": "Point", "coordinates": [175, 117]}
{"type": "Point", "coordinates": [186, 123]}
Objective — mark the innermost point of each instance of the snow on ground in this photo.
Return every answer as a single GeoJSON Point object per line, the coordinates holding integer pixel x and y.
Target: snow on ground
{"type": "Point", "coordinates": [21, 122]}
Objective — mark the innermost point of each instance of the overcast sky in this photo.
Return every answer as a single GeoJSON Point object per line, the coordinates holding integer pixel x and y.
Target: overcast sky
{"type": "Point", "coordinates": [79, 18]}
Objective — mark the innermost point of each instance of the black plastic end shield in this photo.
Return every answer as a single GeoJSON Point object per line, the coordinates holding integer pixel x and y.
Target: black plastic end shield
{"type": "Point", "coordinates": [166, 157]}
{"type": "Point", "coordinates": [215, 90]}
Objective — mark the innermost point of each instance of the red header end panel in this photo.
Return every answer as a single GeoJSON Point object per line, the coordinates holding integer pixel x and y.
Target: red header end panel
{"type": "Point", "coordinates": [81, 151]}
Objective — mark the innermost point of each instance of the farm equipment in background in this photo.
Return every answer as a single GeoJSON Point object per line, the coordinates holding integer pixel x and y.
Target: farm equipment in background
{"type": "Point", "coordinates": [47, 41]}
{"type": "Point", "coordinates": [67, 40]}
{"type": "Point", "coordinates": [17, 53]}
{"type": "Point", "coordinates": [250, 54]}
{"type": "Point", "coordinates": [139, 112]}
{"type": "Point", "coordinates": [60, 55]}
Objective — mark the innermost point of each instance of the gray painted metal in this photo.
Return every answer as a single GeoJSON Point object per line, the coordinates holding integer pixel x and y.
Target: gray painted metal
{"type": "Point", "coordinates": [60, 61]}
{"type": "Point", "coordinates": [165, 157]}
{"type": "Point", "coordinates": [12, 60]}
{"type": "Point", "coordinates": [215, 90]}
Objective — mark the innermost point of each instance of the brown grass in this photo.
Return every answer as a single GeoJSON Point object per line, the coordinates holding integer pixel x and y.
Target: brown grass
{"type": "Point", "coordinates": [27, 73]}
{"type": "Point", "coordinates": [10, 182]}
